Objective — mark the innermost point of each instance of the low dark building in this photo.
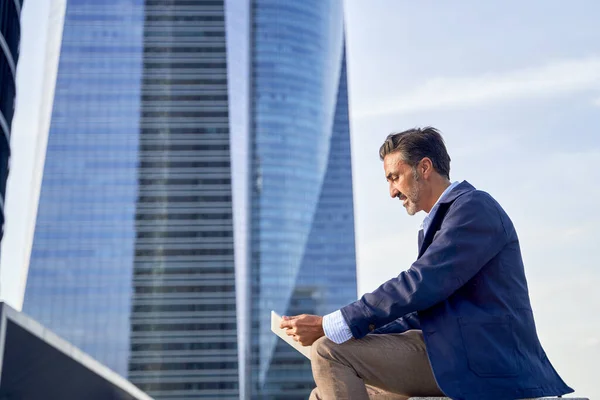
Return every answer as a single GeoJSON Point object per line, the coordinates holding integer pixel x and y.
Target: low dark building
{"type": "Point", "coordinates": [37, 364]}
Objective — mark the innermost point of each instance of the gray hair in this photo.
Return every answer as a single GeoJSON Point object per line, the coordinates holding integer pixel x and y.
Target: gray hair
{"type": "Point", "coordinates": [416, 144]}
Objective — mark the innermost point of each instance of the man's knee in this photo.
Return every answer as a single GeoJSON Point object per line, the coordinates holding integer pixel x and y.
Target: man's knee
{"type": "Point", "coordinates": [322, 350]}
{"type": "Point", "coordinates": [314, 395]}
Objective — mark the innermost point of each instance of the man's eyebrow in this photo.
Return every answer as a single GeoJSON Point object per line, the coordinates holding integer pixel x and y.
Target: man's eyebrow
{"type": "Point", "coordinates": [388, 176]}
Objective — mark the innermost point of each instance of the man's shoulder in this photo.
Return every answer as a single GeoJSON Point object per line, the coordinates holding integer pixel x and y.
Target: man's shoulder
{"type": "Point", "coordinates": [480, 207]}
{"type": "Point", "coordinates": [473, 197]}
{"type": "Point", "coordinates": [476, 201]}
{"type": "Point", "coordinates": [467, 194]}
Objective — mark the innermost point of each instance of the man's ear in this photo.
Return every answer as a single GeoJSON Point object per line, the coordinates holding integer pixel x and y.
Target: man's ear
{"type": "Point", "coordinates": [426, 167]}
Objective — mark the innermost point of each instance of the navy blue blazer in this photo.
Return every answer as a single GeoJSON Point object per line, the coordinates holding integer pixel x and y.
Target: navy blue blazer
{"type": "Point", "coordinates": [467, 292]}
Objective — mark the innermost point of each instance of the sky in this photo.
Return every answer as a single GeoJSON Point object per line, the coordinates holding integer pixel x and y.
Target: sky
{"type": "Point", "coordinates": [514, 88]}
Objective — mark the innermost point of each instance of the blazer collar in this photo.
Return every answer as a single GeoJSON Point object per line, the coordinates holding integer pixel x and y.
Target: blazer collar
{"type": "Point", "coordinates": [459, 190]}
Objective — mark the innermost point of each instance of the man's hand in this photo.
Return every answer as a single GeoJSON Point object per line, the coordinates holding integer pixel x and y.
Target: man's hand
{"type": "Point", "coordinates": [305, 329]}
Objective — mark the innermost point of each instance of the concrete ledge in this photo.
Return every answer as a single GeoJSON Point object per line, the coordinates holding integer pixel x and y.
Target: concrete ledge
{"type": "Point", "coordinates": [537, 398]}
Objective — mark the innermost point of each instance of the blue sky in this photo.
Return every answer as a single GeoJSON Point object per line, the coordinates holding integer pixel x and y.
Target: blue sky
{"type": "Point", "coordinates": [515, 89]}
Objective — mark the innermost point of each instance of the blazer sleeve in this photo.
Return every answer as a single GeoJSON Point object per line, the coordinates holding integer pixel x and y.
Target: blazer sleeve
{"type": "Point", "coordinates": [402, 324]}
{"type": "Point", "coordinates": [471, 234]}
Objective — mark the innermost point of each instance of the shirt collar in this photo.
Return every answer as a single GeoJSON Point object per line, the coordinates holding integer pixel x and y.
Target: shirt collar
{"type": "Point", "coordinates": [425, 222]}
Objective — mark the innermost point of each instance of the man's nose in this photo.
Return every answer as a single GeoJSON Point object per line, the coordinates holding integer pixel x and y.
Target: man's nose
{"type": "Point", "coordinates": [394, 192]}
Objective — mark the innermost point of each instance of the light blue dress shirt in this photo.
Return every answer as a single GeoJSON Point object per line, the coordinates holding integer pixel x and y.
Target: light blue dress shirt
{"type": "Point", "coordinates": [334, 324]}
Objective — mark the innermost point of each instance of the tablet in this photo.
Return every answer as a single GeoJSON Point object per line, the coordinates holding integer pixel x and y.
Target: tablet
{"type": "Point", "coordinates": [275, 322]}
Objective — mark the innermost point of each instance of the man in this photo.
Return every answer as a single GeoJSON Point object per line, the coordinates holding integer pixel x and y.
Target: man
{"type": "Point", "coordinates": [458, 322]}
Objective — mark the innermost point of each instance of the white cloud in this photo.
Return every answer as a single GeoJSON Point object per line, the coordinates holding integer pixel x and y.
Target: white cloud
{"type": "Point", "coordinates": [596, 102]}
{"type": "Point", "coordinates": [556, 78]}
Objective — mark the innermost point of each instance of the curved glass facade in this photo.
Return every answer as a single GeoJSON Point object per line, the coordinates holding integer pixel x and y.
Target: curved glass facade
{"type": "Point", "coordinates": [302, 235]}
{"type": "Point", "coordinates": [80, 273]}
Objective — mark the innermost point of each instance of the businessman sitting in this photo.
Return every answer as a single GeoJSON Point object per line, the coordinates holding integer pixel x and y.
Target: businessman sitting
{"type": "Point", "coordinates": [458, 322]}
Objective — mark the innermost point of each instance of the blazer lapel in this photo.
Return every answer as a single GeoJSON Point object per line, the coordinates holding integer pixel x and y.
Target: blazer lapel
{"type": "Point", "coordinates": [439, 214]}
{"type": "Point", "coordinates": [434, 226]}
{"type": "Point", "coordinates": [420, 240]}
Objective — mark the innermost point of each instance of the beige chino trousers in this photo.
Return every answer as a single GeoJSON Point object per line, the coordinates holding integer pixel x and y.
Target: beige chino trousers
{"type": "Point", "coordinates": [382, 367]}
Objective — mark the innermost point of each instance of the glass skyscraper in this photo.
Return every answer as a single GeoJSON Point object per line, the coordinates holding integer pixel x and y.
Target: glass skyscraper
{"type": "Point", "coordinates": [81, 267]}
{"type": "Point", "coordinates": [132, 259]}
{"type": "Point", "coordinates": [197, 177]}
{"type": "Point", "coordinates": [10, 36]}
{"type": "Point", "coordinates": [183, 322]}
{"type": "Point", "coordinates": [302, 224]}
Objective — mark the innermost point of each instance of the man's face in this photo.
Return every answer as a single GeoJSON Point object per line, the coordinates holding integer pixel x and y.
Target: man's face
{"type": "Point", "coordinates": [404, 182]}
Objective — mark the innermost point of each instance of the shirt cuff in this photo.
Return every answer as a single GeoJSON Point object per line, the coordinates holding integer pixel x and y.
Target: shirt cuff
{"type": "Point", "coordinates": [336, 328]}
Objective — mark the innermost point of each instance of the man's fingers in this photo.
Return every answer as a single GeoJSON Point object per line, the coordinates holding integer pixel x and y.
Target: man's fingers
{"type": "Point", "coordinates": [286, 322]}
